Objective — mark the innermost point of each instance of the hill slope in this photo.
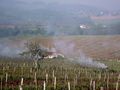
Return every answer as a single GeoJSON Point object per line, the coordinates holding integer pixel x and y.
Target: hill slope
{"type": "Point", "coordinates": [104, 47]}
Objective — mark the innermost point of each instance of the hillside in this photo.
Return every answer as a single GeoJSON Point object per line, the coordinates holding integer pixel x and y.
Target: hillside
{"type": "Point", "coordinates": [100, 47]}
{"type": "Point", "coordinates": [104, 47]}
{"type": "Point", "coordinates": [33, 29]}
{"type": "Point", "coordinates": [21, 18]}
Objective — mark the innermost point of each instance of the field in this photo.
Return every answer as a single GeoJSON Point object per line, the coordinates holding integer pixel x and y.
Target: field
{"type": "Point", "coordinates": [62, 73]}
{"type": "Point", "coordinates": [57, 74]}
{"type": "Point", "coordinates": [98, 47]}
{"type": "Point", "coordinates": [103, 47]}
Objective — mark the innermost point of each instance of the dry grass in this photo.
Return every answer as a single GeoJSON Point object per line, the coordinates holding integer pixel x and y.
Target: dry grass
{"type": "Point", "coordinates": [98, 47]}
{"type": "Point", "coordinates": [104, 47]}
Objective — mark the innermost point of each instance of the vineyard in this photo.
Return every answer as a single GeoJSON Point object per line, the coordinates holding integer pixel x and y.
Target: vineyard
{"type": "Point", "coordinates": [59, 44]}
{"type": "Point", "coordinates": [57, 74]}
{"type": "Point", "coordinates": [62, 73]}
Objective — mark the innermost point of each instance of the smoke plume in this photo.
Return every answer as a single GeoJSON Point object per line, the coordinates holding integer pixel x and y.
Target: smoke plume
{"type": "Point", "coordinates": [78, 56]}
{"type": "Point", "coordinates": [10, 49]}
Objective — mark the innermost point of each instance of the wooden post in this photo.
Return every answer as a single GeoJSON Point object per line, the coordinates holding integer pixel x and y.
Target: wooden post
{"type": "Point", "coordinates": [35, 77]}
{"type": "Point", "coordinates": [108, 82]}
{"type": "Point", "coordinates": [36, 64]}
{"type": "Point", "coordinates": [46, 77]}
{"type": "Point", "coordinates": [53, 74]}
{"type": "Point", "coordinates": [20, 87]}
{"type": "Point", "coordinates": [54, 83]}
{"type": "Point", "coordinates": [118, 77]}
{"type": "Point", "coordinates": [30, 70]}
{"type": "Point", "coordinates": [117, 86]}
{"type": "Point", "coordinates": [6, 77]}
{"type": "Point", "coordinates": [66, 78]}
{"type": "Point", "coordinates": [44, 86]}
{"type": "Point", "coordinates": [94, 85]}
{"type": "Point", "coordinates": [105, 77]}
{"type": "Point", "coordinates": [68, 85]}
{"type": "Point", "coordinates": [101, 88]}
{"type": "Point", "coordinates": [21, 82]}
{"type": "Point", "coordinates": [35, 80]}
{"type": "Point", "coordinates": [91, 81]}
{"type": "Point", "coordinates": [76, 79]}
{"type": "Point", "coordinates": [3, 69]}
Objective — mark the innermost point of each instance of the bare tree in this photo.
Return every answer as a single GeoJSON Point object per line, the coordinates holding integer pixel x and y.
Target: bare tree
{"type": "Point", "coordinates": [35, 51]}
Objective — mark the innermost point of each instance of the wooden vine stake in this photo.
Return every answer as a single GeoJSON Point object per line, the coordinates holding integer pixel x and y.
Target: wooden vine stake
{"type": "Point", "coordinates": [20, 87]}
{"type": "Point", "coordinates": [6, 78]}
{"type": "Point", "coordinates": [54, 83]}
{"type": "Point", "coordinates": [117, 86]}
{"type": "Point", "coordinates": [35, 79]}
{"type": "Point", "coordinates": [91, 81]}
{"type": "Point", "coordinates": [108, 82]}
{"type": "Point", "coordinates": [46, 77]}
{"type": "Point", "coordinates": [101, 88]}
{"type": "Point", "coordinates": [93, 85]}
{"type": "Point", "coordinates": [22, 81]}
{"type": "Point", "coordinates": [68, 85]}
{"type": "Point", "coordinates": [44, 85]}
{"type": "Point", "coordinates": [53, 73]}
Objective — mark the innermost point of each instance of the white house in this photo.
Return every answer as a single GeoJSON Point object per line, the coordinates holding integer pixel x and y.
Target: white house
{"type": "Point", "coordinates": [54, 55]}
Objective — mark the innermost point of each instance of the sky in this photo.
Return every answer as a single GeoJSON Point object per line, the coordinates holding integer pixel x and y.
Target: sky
{"type": "Point", "coordinates": [104, 4]}
{"type": "Point", "coordinates": [107, 4]}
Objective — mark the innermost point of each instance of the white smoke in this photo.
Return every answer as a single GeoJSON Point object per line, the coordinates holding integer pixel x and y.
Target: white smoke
{"type": "Point", "coordinates": [87, 61]}
{"type": "Point", "coordinates": [9, 51]}
{"type": "Point", "coordinates": [68, 49]}
{"type": "Point", "coordinates": [7, 48]}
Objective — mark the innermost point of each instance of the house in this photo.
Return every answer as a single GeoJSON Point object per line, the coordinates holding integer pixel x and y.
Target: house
{"type": "Point", "coordinates": [52, 55]}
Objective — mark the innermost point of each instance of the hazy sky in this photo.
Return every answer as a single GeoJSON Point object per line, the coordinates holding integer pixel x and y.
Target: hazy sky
{"type": "Point", "coordinates": [103, 4]}
{"type": "Point", "coordinates": [107, 4]}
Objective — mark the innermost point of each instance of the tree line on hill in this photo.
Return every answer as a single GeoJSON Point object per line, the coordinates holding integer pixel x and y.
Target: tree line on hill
{"type": "Point", "coordinates": [61, 30]}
